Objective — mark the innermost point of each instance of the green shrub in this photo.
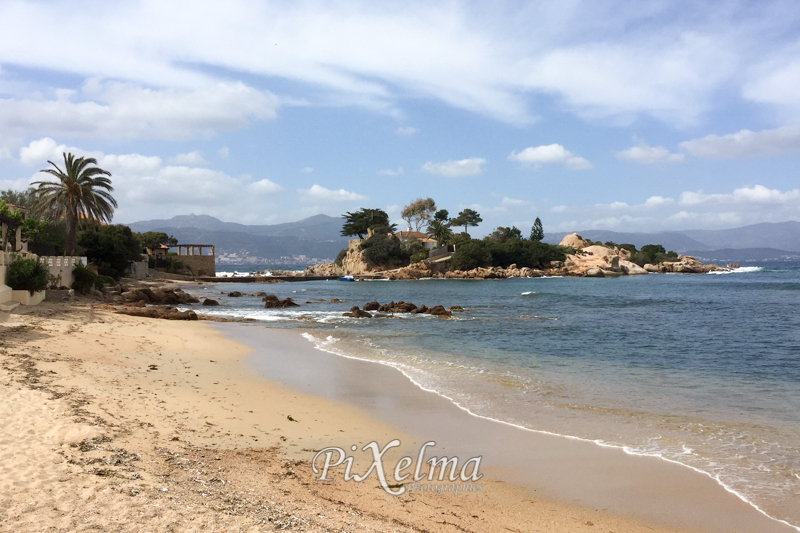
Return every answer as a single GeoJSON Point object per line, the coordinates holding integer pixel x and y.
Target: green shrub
{"type": "Point", "coordinates": [385, 250]}
{"type": "Point", "coordinates": [340, 257]}
{"type": "Point", "coordinates": [111, 248]}
{"type": "Point", "coordinates": [26, 274]}
{"type": "Point", "coordinates": [174, 266]}
{"type": "Point", "coordinates": [103, 281]}
{"type": "Point", "coordinates": [472, 254]}
{"type": "Point", "coordinates": [419, 255]}
{"type": "Point", "coordinates": [83, 278]}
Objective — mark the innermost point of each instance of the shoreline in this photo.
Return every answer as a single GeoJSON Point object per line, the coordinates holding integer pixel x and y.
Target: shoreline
{"type": "Point", "coordinates": [724, 501]}
{"type": "Point", "coordinates": [201, 441]}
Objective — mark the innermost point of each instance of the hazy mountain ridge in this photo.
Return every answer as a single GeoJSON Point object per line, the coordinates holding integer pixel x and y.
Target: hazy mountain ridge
{"type": "Point", "coordinates": [315, 237]}
{"type": "Point", "coordinates": [770, 238]}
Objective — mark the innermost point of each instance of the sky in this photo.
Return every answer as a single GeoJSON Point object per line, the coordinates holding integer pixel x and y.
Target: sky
{"type": "Point", "coordinates": [628, 116]}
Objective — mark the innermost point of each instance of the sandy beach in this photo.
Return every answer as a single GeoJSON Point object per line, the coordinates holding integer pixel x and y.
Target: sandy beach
{"type": "Point", "coordinates": [116, 423]}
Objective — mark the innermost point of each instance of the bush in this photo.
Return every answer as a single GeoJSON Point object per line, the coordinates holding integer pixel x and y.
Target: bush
{"type": "Point", "coordinates": [384, 250]}
{"type": "Point", "coordinates": [521, 252]}
{"type": "Point", "coordinates": [340, 257]}
{"type": "Point", "coordinates": [83, 278]}
{"type": "Point", "coordinates": [174, 266]}
{"type": "Point", "coordinates": [25, 274]}
{"type": "Point", "coordinates": [472, 254]}
{"type": "Point", "coordinates": [111, 248]}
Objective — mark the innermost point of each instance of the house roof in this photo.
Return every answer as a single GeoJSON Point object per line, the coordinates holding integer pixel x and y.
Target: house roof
{"type": "Point", "coordinates": [424, 237]}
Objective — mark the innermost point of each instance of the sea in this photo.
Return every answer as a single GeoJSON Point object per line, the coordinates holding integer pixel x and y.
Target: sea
{"type": "Point", "coordinates": [697, 369]}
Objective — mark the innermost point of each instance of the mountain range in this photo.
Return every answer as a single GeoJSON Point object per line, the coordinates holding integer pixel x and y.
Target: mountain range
{"type": "Point", "coordinates": [319, 237]}
{"type": "Point", "coordinates": [763, 241]}
{"type": "Point", "coordinates": [314, 237]}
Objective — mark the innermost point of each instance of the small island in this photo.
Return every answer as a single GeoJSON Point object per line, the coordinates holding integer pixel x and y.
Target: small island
{"type": "Point", "coordinates": [380, 251]}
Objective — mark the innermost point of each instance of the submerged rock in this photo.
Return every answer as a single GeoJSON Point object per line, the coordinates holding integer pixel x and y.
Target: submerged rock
{"type": "Point", "coordinates": [273, 302]}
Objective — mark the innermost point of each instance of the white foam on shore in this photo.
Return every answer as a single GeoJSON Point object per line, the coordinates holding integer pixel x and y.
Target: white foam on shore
{"type": "Point", "coordinates": [740, 270]}
{"type": "Point", "coordinates": [326, 345]}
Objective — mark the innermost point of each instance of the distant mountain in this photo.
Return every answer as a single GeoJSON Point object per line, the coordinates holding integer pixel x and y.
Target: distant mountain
{"type": "Point", "coordinates": [314, 237]}
{"type": "Point", "coordinates": [318, 227]}
{"type": "Point", "coordinates": [781, 236]}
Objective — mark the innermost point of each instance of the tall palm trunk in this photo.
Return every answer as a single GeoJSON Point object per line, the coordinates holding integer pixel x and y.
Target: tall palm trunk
{"type": "Point", "coordinates": [72, 232]}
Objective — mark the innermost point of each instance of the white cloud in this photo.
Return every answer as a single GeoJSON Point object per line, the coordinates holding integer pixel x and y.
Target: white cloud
{"type": "Point", "coordinates": [307, 170]}
{"type": "Point", "coordinates": [190, 159]}
{"type": "Point", "coordinates": [224, 152]}
{"type": "Point", "coordinates": [595, 58]}
{"type": "Point", "coordinates": [455, 169]}
{"type": "Point", "coordinates": [550, 153]}
{"type": "Point", "coordinates": [406, 131]}
{"type": "Point", "coordinates": [513, 202]}
{"type": "Point", "coordinates": [318, 193]}
{"type": "Point", "coordinates": [656, 202]}
{"type": "Point", "coordinates": [146, 188]}
{"type": "Point", "coordinates": [391, 172]}
{"type": "Point", "coordinates": [746, 143]}
{"type": "Point", "coordinates": [648, 155]}
{"type": "Point", "coordinates": [127, 111]}
{"type": "Point", "coordinates": [755, 195]}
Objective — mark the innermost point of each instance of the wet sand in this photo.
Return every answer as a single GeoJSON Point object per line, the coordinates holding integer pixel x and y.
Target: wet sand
{"type": "Point", "coordinates": [117, 423]}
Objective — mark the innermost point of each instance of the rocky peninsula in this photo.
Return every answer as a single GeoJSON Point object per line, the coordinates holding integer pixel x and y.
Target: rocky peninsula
{"type": "Point", "coordinates": [583, 259]}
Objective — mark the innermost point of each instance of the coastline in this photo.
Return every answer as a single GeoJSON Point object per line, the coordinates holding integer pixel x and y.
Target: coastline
{"type": "Point", "coordinates": [82, 373]}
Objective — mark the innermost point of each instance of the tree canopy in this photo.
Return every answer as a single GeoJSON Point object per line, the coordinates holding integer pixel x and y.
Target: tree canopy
{"type": "Point", "coordinates": [418, 212]}
{"type": "Point", "coordinates": [467, 217]}
{"type": "Point", "coordinates": [361, 221]}
{"type": "Point", "coordinates": [153, 239]}
{"type": "Point", "coordinates": [82, 191]}
{"type": "Point", "coordinates": [503, 234]}
{"type": "Point", "coordinates": [537, 232]}
{"type": "Point", "coordinates": [111, 248]}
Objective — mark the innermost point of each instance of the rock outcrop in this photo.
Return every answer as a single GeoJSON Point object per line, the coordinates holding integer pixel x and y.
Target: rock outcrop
{"type": "Point", "coordinates": [353, 263]}
{"type": "Point", "coordinates": [159, 296]}
{"type": "Point", "coordinates": [166, 313]}
{"type": "Point", "coordinates": [273, 302]}
{"type": "Point", "coordinates": [573, 240]}
{"type": "Point", "coordinates": [400, 307]}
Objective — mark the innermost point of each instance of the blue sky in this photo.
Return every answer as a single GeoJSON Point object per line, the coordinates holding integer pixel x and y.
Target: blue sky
{"type": "Point", "coordinates": [631, 116]}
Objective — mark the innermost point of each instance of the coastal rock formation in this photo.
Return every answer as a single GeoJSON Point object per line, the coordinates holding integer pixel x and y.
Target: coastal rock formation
{"type": "Point", "coordinates": [209, 301]}
{"type": "Point", "coordinates": [400, 307]}
{"type": "Point", "coordinates": [236, 294]}
{"type": "Point", "coordinates": [273, 302]}
{"type": "Point", "coordinates": [573, 240]}
{"type": "Point", "coordinates": [355, 312]}
{"type": "Point", "coordinates": [352, 263]}
{"type": "Point", "coordinates": [166, 313]}
{"type": "Point", "coordinates": [684, 265]}
{"type": "Point", "coordinates": [159, 296]}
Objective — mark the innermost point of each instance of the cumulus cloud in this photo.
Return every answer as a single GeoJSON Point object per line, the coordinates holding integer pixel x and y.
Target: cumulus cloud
{"type": "Point", "coordinates": [514, 202]}
{"type": "Point", "coordinates": [755, 195]}
{"type": "Point", "coordinates": [550, 153]}
{"type": "Point", "coordinates": [317, 193]}
{"type": "Point", "coordinates": [647, 155]}
{"type": "Point", "coordinates": [142, 182]}
{"type": "Point", "coordinates": [455, 169]}
{"type": "Point", "coordinates": [391, 172]}
{"type": "Point", "coordinates": [224, 152]}
{"type": "Point", "coordinates": [656, 202]}
{"type": "Point", "coordinates": [406, 131]}
{"type": "Point", "coordinates": [128, 111]}
{"type": "Point", "coordinates": [307, 170]}
{"type": "Point", "coordinates": [746, 143]}
{"type": "Point", "coordinates": [190, 159]}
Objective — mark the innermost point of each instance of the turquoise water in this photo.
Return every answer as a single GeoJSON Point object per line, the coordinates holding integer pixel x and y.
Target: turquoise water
{"type": "Point", "coordinates": [703, 370]}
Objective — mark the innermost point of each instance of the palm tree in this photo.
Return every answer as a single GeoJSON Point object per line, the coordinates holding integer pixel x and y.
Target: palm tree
{"type": "Point", "coordinates": [82, 191]}
{"type": "Point", "coordinates": [440, 231]}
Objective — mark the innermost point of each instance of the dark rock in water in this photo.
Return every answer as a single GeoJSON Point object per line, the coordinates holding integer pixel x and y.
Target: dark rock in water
{"type": "Point", "coordinates": [235, 294]}
{"type": "Point", "coordinates": [404, 307]}
{"type": "Point", "coordinates": [273, 302]}
{"type": "Point", "coordinates": [168, 313]}
{"type": "Point", "coordinates": [259, 294]}
{"type": "Point", "coordinates": [439, 310]}
{"type": "Point", "coordinates": [420, 309]}
{"type": "Point", "coordinates": [209, 301]}
{"type": "Point", "coordinates": [387, 308]}
{"type": "Point", "coordinates": [355, 312]}
{"type": "Point", "coordinates": [334, 301]}
{"type": "Point", "coordinates": [456, 309]}
{"type": "Point", "coordinates": [371, 306]}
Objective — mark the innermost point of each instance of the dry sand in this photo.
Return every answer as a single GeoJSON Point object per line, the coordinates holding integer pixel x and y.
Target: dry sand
{"type": "Point", "coordinates": [116, 423]}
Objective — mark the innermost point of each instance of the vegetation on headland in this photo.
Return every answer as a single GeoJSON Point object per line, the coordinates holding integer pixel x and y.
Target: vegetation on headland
{"type": "Point", "coordinates": [649, 253]}
{"type": "Point", "coordinates": [384, 248]}
{"type": "Point", "coordinates": [71, 216]}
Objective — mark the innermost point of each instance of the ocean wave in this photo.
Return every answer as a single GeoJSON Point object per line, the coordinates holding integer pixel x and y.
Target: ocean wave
{"type": "Point", "coordinates": [740, 270]}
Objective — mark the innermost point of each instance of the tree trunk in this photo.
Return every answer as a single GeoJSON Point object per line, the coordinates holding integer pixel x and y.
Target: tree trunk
{"type": "Point", "coordinates": [72, 230]}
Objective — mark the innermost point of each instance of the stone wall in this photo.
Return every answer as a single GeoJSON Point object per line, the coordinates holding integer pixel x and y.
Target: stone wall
{"type": "Point", "coordinates": [198, 265]}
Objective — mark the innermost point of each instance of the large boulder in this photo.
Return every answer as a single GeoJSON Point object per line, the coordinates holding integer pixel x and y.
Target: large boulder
{"type": "Point", "coordinates": [209, 301]}
{"type": "Point", "coordinates": [273, 302]}
{"type": "Point", "coordinates": [371, 306]}
{"type": "Point", "coordinates": [631, 269]}
{"type": "Point", "coordinates": [355, 312]}
{"type": "Point", "coordinates": [573, 240]}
